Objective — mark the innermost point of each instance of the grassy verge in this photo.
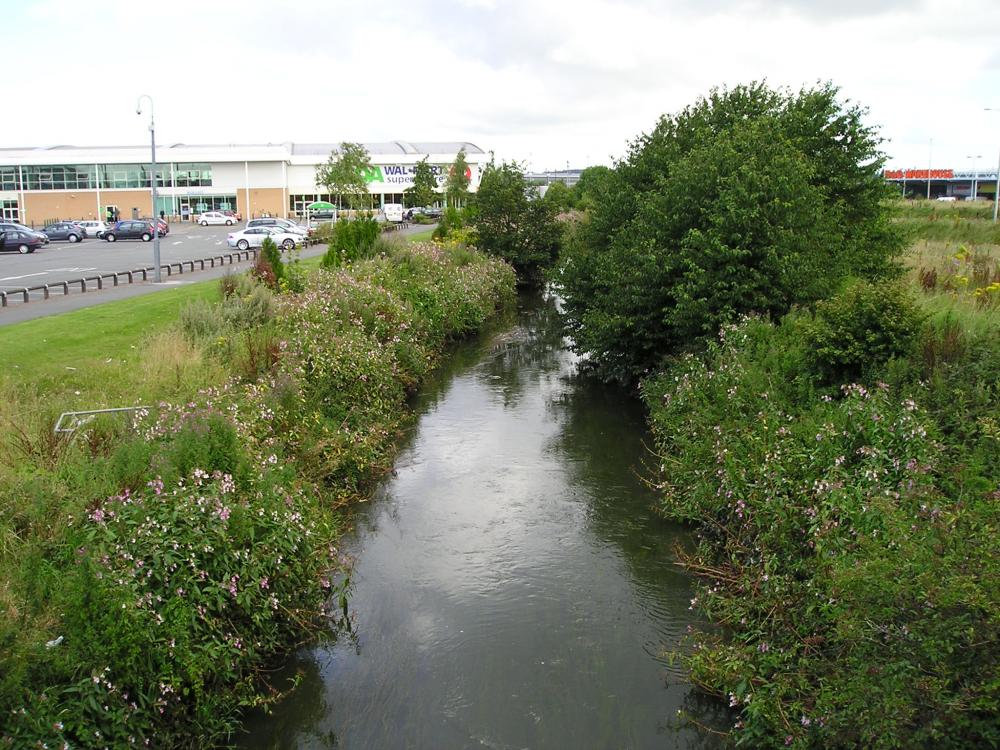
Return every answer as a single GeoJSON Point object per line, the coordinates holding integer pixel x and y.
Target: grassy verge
{"type": "Point", "coordinates": [842, 468]}
{"type": "Point", "coordinates": [151, 566]}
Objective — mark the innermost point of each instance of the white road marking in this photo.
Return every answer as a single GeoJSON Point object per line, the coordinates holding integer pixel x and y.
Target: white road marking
{"type": "Point", "coordinates": [69, 270]}
{"type": "Point", "coordinates": [26, 276]}
{"type": "Point", "coordinates": [179, 242]}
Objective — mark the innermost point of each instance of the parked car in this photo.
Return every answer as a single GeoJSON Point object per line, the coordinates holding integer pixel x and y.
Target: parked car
{"type": "Point", "coordinates": [162, 227]}
{"type": "Point", "coordinates": [64, 230]}
{"type": "Point", "coordinates": [235, 214]}
{"type": "Point", "coordinates": [280, 223]}
{"type": "Point", "coordinates": [254, 237]}
{"type": "Point", "coordinates": [22, 242]}
{"type": "Point", "coordinates": [93, 228]}
{"type": "Point", "coordinates": [946, 198]}
{"type": "Point", "coordinates": [433, 213]}
{"type": "Point", "coordinates": [215, 217]}
{"type": "Point", "coordinates": [130, 230]}
{"type": "Point", "coordinates": [409, 213]}
{"type": "Point", "coordinates": [8, 225]}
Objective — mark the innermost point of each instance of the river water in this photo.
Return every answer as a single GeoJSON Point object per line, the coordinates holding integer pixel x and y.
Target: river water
{"type": "Point", "coordinates": [512, 587]}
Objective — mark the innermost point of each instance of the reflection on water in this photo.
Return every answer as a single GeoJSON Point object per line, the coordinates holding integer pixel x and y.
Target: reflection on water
{"type": "Point", "coordinates": [512, 587]}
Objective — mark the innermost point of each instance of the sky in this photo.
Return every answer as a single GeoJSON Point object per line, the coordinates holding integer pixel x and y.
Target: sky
{"type": "Point", "coordinates": [546, 83]}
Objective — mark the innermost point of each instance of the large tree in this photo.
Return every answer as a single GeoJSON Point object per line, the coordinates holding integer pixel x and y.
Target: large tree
{"type": "Point", "coordinates": [424, 190]}
{"type": "Point", "coordinates": [345, 173]}
{"type": "Point", "coordinates": [751, 200]}
{"type": "Point", "coordinates": [457, 186]}
{"type": "Point", "coordinates": [513, 223]}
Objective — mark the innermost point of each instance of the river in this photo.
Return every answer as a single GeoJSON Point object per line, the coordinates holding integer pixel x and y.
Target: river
{"type": "Point", "coordinates": [512, 587]}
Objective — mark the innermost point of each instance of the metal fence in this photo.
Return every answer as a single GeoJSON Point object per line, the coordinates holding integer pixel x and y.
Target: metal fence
{"type": "Point", "coordinates": [98, 282]}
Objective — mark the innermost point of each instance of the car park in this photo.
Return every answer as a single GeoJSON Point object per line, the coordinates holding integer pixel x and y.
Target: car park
{"type": "Point", "coordinates": [20, 241]}
{"type": "Point", "coordinates": [94, 228]}
{"type": "Point", "coordinates": [215, 217]}
{"type": "Point", "coordinates": [130, 230]}
{"type": "Point", "coordinates": [64, 230]}
{"type": "Point", "coordinates": [273, 221]}
{"type": "Point", "coordinates": [255, 236]}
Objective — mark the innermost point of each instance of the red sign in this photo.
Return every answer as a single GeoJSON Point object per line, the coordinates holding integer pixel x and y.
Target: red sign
{"type": "Point", "coordinates": [919, 174]}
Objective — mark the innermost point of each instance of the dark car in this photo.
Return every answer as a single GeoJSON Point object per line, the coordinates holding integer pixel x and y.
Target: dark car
{"type": "Point", "coordinates": [65, 230]}
{"type": "Point", "coordinates": [14, 226]}
{"type": "Point", "coordinates": [22, 242]}
{"type": "Point", "coordinates": [130, 230]}
{"type": "Point", "coordinates": [432, 213]}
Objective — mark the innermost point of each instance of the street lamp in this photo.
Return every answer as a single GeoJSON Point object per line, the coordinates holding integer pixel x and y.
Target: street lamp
{"type": "Point", "coordinates": [975, 175]}
{"type": "Point", "coordinates": [930, 150]}
{"type": "Point", "coordinates": [996, 195]}
{"type": "Point", "coordinates": [152, 182]}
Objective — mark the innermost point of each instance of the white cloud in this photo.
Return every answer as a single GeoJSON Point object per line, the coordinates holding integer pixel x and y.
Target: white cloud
{"type": "Point", "coordinates": [546, 81]}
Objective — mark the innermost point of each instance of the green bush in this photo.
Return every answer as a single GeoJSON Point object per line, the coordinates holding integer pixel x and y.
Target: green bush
{"type": "Point", "coordinates": [852, 574]}
{"type": "Point", "coordinates": [352, 240]}
{"type": "Point", "coordinates": [269, 252]}
{"type": "Point", "coordinates": [749, 201]}
{"type": "Point", "coordinates": [860, 329]}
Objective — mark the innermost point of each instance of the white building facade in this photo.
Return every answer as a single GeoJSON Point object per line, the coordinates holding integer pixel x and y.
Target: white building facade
{"type": "Point", "coordinates": [39, 185]}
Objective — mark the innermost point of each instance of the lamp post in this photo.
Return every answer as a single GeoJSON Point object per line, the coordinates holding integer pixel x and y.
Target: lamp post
{"type": "Point", "coordinates": [975, 175]}
{"type": "Point", "coordinates": [996, 195]}
{"type": "Point", "coordinates": [152, 182]}
{"type": "Point", "coordinates": [930, 150]}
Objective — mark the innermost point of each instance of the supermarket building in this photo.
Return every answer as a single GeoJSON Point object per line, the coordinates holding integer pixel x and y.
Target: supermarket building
{"type": "Point", "coordinates": [40, 185]}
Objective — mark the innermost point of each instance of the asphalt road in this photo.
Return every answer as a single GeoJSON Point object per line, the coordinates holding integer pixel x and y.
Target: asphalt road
{"type": "Point", "coordinates": [62, 261]}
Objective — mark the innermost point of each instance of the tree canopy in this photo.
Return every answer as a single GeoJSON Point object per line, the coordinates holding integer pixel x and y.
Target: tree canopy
{"type": "Point", "coordinates": [457, 187]}
{"type": "Point", "coordinates": [424, 190]}
{"type": "Point", "coordinates": [513, 223]}
{"type": "Point", "coordinates": [345, 173]}
{"type": "Point", "coordinates": [751, 200]}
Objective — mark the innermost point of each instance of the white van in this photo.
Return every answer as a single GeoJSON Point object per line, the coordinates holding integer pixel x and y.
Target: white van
{"type": "Point", "coordinates": [393, 212]}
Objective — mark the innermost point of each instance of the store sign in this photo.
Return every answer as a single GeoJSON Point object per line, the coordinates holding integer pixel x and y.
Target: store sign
{"type": "Point", "coordinates": [919, 174]}
{"type": "Point", "coordinates": [403, 174]}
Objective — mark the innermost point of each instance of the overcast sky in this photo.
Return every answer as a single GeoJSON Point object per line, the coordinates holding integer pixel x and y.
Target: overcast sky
{"type": "Point", "coordinates": [548, 83]}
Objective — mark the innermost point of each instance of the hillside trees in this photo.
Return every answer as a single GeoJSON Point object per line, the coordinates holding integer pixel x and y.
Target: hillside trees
{"type": "Point", "coordinates": [750, 200]}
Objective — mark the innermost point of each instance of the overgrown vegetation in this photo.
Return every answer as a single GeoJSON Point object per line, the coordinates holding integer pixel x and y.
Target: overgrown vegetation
{"type": "Point", "coordinates": [152, 566]}
{"type": "Point", "coordinates": [826, 416]}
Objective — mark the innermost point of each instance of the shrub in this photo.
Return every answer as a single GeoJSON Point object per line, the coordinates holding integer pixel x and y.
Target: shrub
{"type": "Point", "coordinates": [749, 201]}
{"type": "Point", "coordinates": [860, 329]}
{"type": "Point", "coordinates": [272, 255]}
{"type": "Point", "coordinates": [853, 579]}
{"type": "Point", "coordinates": [352, 240]}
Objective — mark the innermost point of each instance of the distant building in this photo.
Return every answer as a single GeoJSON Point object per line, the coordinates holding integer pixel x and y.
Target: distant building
{"type": "Point", "coordinates": [944, 183]}
{"type": "Point", "coordinates": [69, 182]}
{"type": "Point", "coordinates": [568, 176]}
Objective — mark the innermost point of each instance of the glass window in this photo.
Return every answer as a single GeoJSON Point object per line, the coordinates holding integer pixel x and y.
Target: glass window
{"type": "Point", "coordinates": [8, 178]}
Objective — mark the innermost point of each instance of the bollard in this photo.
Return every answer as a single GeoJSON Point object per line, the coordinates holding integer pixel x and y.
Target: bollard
{"type": "Point", "coordinates": [45, 291]}
{"type": "Point", "coordinates": [100, 282]}
{"type": "Point", "coordinates": [83, 285]}
{"type": "Point", "coordinates": [25, 293]}
{"type": "Point", "coordinates": [65, 286]}
{"type": "Point", "coordinates": [3, 299]}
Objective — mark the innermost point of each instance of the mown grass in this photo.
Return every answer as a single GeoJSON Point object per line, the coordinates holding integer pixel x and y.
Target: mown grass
{"type": "Point", "coordinates": [102, 344]}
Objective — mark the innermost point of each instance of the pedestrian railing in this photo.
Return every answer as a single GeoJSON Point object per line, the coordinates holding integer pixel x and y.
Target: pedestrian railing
{"type": "Point", "coordinates": [88, 283]}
